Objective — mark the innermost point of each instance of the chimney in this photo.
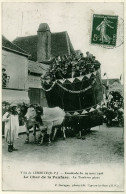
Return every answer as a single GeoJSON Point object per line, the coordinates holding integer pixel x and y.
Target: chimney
{"type": "Point", "coordinates": [44, 43]}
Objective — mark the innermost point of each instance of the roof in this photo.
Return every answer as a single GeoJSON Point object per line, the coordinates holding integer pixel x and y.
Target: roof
{"type": "Point", "coordinates": [37, 68]}
{"type": "Point", "coordinates": [117, 87]}
{"type": "Point", "coordinates": [60, 44]}
{"type": "Point", "coordinates": [111, 81]}
{"type": "Point", "coordinates": [8, 45]}
{"type": "Point", "coordinates": [29, 44]}
{"type": "Point", "coordinates": [70, 45]}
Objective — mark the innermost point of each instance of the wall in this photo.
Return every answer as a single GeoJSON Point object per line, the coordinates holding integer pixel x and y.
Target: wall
{"type": "Point", "coordinates": [37, 96]}
{"type": "Point", "coordinates": [17, 68]}
{"type": "Point", "coordinates": [35, 92]}
{"type": "Point", "coordinates": [44, 46]}
{"type": "Point", "coordinates": [15, 96]}
{"type": "Point", "coordinates": [34, 81]}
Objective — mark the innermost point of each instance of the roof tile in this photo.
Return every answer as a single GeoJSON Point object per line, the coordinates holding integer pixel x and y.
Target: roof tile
{"type": "Point", "coordinates": [6, 43]}
{"type": "Point", "coordinates": [60, 44]}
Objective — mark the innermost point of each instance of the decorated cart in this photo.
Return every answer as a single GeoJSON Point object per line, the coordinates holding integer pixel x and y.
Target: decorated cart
{"type": "Point", "coordinates": [80, 97]}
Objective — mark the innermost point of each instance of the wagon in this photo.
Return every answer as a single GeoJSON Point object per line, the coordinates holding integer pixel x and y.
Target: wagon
{"type": "Point", "coordinates": [80, 97]}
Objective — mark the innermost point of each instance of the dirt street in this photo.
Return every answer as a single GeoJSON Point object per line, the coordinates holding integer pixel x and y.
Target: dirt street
{"type": "Point", "coordinates": [99, 156]}
{"type": "Point", "coordinates": [101, 145]}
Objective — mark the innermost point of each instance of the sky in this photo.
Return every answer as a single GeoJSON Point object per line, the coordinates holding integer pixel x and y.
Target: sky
{"type": "Point", "coordinates": [23, 19]}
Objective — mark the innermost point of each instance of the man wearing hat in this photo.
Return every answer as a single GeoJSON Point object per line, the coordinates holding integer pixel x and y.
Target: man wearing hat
{"type": "Point", "coordinates": [11, 126]}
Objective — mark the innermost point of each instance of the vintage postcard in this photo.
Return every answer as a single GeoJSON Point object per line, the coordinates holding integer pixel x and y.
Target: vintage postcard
{"type": "Point", "coordinates": [62, 96]}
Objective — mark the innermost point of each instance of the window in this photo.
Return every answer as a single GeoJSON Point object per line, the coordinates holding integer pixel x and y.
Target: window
{"type": "Point", "coordinates": [5, 78]}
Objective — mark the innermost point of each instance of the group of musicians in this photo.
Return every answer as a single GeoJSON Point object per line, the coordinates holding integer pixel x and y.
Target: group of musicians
{"type": "Point", "coordinates": [72, 66]}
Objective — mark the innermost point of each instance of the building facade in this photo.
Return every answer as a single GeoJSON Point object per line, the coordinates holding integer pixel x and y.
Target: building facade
{"type": "Point", "coordinates": [35, 92]}
{"type": "Point", "coordinates": [14, 73]}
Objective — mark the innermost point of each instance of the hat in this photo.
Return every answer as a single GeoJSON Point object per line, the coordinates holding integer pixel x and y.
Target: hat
{"type": "Point", "coordinates": [13, 104]}
{"type": "Point", "coordinates": [3, 69]}
{"type": "Point", "coordinates": [6, 103]}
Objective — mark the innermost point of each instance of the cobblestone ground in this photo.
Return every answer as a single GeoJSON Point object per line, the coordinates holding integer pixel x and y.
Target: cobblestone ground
{"type": "Point", "coordinates": [101, 145]}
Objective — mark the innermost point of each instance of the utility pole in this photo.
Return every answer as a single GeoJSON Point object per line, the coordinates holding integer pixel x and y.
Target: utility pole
{"type": "Point", "coordinates": [22, 23]}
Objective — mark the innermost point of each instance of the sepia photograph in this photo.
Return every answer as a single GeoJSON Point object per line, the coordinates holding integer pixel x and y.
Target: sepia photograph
{"type": "Point", "coordinates": [62, 96]}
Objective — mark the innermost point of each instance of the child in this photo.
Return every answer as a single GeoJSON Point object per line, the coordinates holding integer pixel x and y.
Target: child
{"type": "Point", "coordinates": [11, 126]}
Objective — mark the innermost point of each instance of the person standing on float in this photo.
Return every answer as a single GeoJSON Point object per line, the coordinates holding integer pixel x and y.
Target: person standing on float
{"type": "Point", "coordinates": [11, 126]}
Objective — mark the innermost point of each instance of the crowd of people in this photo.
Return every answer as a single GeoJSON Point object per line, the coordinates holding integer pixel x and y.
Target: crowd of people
{"type": "Point", "coordinates": [72, 66]}
{"type": "Point", "coordinates": [13, 116]}
{"type": "Point", "coordinates": [113, 109]}
{"type": "Point", "coordinates": [115, 101]}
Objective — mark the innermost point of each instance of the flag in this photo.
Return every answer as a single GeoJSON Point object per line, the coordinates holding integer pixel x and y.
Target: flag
{"type": "Point", "coordinates": [71, 79]}
{"type": "Point", "coordinates": [84, 112]}
{"type": "Point", "coordinates": [76, 113]}
{"type": "Point", "coordinates": [80, 78]}
{"type": "Point", "coordinates": [98, 106]}
{"type": "Point", "coordinates": [61, 80]}
{"type": "Point", "coordinates": [68, 114]}
{"type": "Point", "coordinates": [94, 73]}
{"type": "Point", "coordinates": [91, 110]}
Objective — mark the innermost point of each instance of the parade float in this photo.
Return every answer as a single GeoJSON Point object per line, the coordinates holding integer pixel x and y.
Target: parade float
{"type": "Point", "coordinates": [80, 97]}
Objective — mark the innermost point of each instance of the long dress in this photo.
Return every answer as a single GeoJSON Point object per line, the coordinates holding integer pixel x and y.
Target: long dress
{"type": "Point", "coordinates": [11, 127]}
{"type": "Point", "coordinates": [102, 29]}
